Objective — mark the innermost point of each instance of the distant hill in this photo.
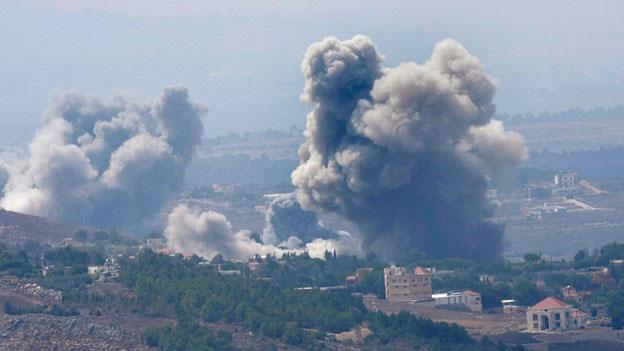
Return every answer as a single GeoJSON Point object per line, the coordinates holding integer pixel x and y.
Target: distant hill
{"type": "Point", "coordinates": [18, 228]}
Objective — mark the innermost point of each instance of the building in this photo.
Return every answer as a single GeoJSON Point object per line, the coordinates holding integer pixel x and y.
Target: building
{"type": "Point", "coordinates": [600, 276]}
{"type": "Point", "coordinates": [155, 244]}
{"type": "Point", "coordinates": [467, 298]}
{"type": "Point", "coordinates": [360, 273]}
{"type": "Point", "coordinates": [488, 279]}
{"type": "Point", "coordinates": [571, 294]}
{"type": "Point", "coordinates": [565, 181]}
{"type": "Point", "coordinates": [510, 307]}
{"type": "Point", "coordinates": [554, 315]}
{"type": "Point", "coordinates": [108, 271]}
{"type": "Point", "coordinates": [404, 285]}
{"type": "Point", "coordinates": [565, 184]}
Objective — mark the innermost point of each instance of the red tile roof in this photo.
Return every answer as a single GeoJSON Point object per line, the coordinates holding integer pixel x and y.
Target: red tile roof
{"type": "Point", "coordinates": [471, 293]}
{"type": "Point", "coordinates": [420, 270]}
{"type": "Point", "coordinates": [550, 303]}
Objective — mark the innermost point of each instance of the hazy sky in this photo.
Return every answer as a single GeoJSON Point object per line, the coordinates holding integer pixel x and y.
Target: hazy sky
{"type": "Point", "coordinates": [243, 58]}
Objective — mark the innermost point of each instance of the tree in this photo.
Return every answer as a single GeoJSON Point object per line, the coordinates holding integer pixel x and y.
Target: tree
{"type": "Point", "coordinates": [151, 337]}
{"type": "Point", "coordinates": [581, 255]}
{"type": "Point", "coordinates": [615, 308]}
{"type": "Point", "coordinates": [531, 257]}
{"type": "Point", "coordinates": [81, 236]}
{"type": "Point", "coordinates": [527, 293]}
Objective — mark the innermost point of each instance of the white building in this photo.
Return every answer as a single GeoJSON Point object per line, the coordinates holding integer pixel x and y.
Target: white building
{"type": "Point", "coordinates": [554, 315]}
{"type": "Point", "coordinates": [108, 271]}
{"type": "Point", "coordinates": [565, 180]}
{"type": "Point", "coordinates": [467, 298]}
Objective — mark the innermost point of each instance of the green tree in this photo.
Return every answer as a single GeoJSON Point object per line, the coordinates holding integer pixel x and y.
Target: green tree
{"type": "Point", "coordinates": [531, 257]}
{"type": "Point", "coordinates": [615, 307]}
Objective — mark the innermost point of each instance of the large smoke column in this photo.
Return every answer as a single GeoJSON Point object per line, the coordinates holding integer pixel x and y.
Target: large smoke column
{"type": "Point", "coordinates": [404, 152]}
{"type": "Point", "coordinates": [106, 163]}
{"type": "Point", "coordinates": [207, 233]}
{"type": "Point", "coordinates": [286, 219]}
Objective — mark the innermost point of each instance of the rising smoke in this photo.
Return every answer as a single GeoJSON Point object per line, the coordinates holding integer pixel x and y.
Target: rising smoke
{"type": "Point", "coordinates": [285, 219]}
{"type": "Point", "coordinates": [404, 152]}
{"type": "Point", "coordinates": [207, 233]}
{"type": "Point", "coordinates": [4, 176]}
{"type": "Point", "coordinates": [106, 163]}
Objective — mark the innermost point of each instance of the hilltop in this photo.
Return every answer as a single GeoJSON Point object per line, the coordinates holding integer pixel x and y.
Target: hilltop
{"type": "Point", "coordinates": [19, 228]}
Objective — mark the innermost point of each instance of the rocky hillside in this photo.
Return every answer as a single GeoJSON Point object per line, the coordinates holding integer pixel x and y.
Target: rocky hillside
{"type": "Point", "coordinates": [18, 228]}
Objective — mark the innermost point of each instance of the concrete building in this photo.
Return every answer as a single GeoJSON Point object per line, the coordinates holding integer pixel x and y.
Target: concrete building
{"type": "Point", "coordinates": [571, 294]}
{"type": "Point", "coordinates": [510, 307]}
{"type": "Point", "coordinates": [359, 275]}
{"type": "Point", "coordinates": [565, 184]}
{"type": "Point", "coordinates": [554, 315]}
{"type": "Point", "coordinates": [108, 271]}
{"type": "Point", "coordinates": [565, 181]}
{"type": "Point", "coordinates": [467, 298]}
{"type": "Point", "coordinates": [155, 244]}
{"type": "Point", "coordinates": [403, 285]}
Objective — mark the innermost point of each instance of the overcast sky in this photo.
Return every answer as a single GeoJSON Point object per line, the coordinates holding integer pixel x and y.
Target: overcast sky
{"type": "Point", "coordinates": [243, 58]}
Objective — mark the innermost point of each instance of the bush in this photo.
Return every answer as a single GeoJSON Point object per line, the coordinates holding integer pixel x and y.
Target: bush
{"type": "Point", "coordinates": [151, 337]}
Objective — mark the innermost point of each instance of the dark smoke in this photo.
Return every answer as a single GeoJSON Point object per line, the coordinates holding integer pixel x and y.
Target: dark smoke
{"type": "Point", "coordinates": [286, 219]}
{"type": "Point", "coordinates": [106, 163]}
{"type": "Point", "coordinates": [404, 152]}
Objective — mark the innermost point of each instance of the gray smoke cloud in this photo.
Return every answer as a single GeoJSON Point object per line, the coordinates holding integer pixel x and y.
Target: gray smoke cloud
{"type": "Point", "coordinates": [404, 152]}
{"type": "Point", "coordinates": [106, 163]}
{"type": "Point", "coordinates": [191, 230]}
{"type": "Point", "coordinates": [285, 219]}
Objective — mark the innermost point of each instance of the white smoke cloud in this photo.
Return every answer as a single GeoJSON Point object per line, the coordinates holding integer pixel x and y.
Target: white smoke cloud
{"type": "Point", "coordinates": [108, 163]}
{"type": "Point", "coordinates": [4, 176]}
{"type": "Point", "coordinates": [207, 233]}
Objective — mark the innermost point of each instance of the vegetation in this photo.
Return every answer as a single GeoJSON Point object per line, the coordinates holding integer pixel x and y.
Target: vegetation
{"type": "Point", "coordinates": [187, 335]}
{"type": "Point", "coordinates": [54, 310]}
{"type": "Point", "coordinates": [178, 287]}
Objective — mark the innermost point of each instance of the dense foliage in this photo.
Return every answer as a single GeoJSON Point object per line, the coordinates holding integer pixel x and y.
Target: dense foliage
{"type": "Point", "coordinates": [176, 286]}
{"type": "Point", "coordinates": [187, 335]}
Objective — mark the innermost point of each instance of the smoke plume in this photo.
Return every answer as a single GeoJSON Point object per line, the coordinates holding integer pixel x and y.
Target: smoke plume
{"type": "Point", "coordinates": [286, 219]}
{"type": "Point", "coordinates": [207, 233]}
{"type": "Point", "coordinates": [4, 177]}
{"type": "Point", "coordinates": [404, 152]}
{"type": "Point", "coordinates": [109, 162]}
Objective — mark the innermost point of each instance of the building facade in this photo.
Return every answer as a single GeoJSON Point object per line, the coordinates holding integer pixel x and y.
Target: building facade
{"type": "Point", "coordinates": [554, 315]}
{"type": "Point", "coordinates": [404, 285]}
{"type": "Point", "coordinates": [467, 298]}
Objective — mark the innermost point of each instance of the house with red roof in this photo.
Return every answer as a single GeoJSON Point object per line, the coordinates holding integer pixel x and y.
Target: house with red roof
{"type": "Point", "coordinates": [554, 315]}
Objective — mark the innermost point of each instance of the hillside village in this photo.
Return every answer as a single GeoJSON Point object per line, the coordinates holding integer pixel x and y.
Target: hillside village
{"type": "Point", "coordinates": [521, 305]}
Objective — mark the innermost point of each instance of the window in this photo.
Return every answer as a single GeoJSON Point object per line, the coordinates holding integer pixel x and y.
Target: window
{"type": "Point", "coordinates": [534, 317]}
{"type": "Point", "coordinates": [535, 326]}
{"type": "Point", "coordinates": [557, 316]}
{"type": "Point", "coordinates": [558, 325]}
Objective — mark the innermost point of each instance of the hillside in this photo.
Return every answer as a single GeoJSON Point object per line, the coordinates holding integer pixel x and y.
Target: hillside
{"type": "Point", "coordinates": [18, 228]}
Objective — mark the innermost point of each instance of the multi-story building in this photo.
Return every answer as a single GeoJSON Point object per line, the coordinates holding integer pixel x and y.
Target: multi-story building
{"type": "Point", "coordinates": [404, 285]}
{"type": "Point", "coordinates": [554, 315]}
